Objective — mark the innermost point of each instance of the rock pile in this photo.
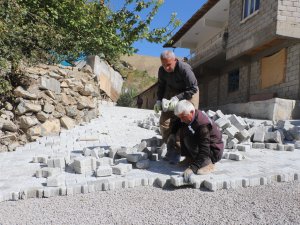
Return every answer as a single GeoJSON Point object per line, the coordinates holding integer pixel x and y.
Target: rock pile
{"type": "Point", "coordinates": [57, 98]}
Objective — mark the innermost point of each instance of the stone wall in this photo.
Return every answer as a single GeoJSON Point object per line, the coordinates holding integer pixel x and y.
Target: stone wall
{"type": "Point", "coordinates": [57, 98]}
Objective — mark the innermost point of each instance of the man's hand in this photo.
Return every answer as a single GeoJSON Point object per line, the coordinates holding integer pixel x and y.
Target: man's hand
{"type": "Point", "coordinates": [173, 102]}
{"type": "Point", "coordinates": [157, 106]}
{"type": "Point", "coordinates": [187, 174]}
{"type": "Point", "coordinates": [165, 104]}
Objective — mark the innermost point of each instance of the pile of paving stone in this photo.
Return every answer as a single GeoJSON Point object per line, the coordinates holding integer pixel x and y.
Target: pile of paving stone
{"type": "Point", "coordinates": [57, 98]}
{"type": "Point", "coordinates": [242, 134]}
{"type": "Point", "coordinates": [150, 123]}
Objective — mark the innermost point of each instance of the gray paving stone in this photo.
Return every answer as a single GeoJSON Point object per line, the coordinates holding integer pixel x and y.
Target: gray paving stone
{"type": "Point", "coordinates": [280, 147]}
{"type": "Point", "coordinates": [232, 143]}
{"type": "Point", "coordinates": [15, 196]}
{"type": "Point", "coordinates": [143, 164]}
{"type": "Point", "coordinates": [223, 123]}
{"type": "Point", "coordinates": [259, 135]}
{"type": "Point", "coordinates": [91, 188]}
{"type": "Point", "coordinates": [243, 148]}
{"type": "Point", "coordinates": [236, 156]}
{"type": "Point", "coordinates": [237, 122]}
{"type": "Point", "coordinates": [62, 191]}
{"type": "Point", "coordinates": [40, 193]}
{"type": "Point", "coordinates": [231, 131]}
{"type": "Point", "coordinates": [289, 147]}
{"type": "Point", "coordinates": [163, 181]}
{"type": "Point", "coordinates": [145, 181]}
{"type": "Point", "coordinates": [135, 157]}
{"type": "Point", "coordinates": [121, 169]}
{"type": "Point", "coordinates": [56, 181]}
{"type": "Point", "coordinates": [51, 192]}
{"type": "Point", "coordinates": [272, 146]}
{"type": "Point", "coordinates": [70, 191]}
{"type": "Point", "coordinates": [84, 189]}
{"type": "Point", "coordinates": [258, 145]}
{"type": "Point", "coordinates": [104, 171]}
{"type": "Point", "coordinates": [220, 114]}
{"type": "Point", "coordinates": [178, 181]}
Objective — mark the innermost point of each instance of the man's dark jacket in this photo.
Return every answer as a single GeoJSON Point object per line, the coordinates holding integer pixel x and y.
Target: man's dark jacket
{"type": "Point", "coordinates": [203, 137]}
{"type": "Point", "coordinates": [181, 82]}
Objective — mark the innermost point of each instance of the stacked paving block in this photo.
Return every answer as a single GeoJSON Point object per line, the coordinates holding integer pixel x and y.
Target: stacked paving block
{"type": "Point", "coordinates": [150, 123]}
{"type": "Point", "coordinates": [84, 165]}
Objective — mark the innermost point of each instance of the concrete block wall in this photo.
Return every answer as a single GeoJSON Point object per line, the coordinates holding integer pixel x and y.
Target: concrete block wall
{"type": "Point", "coordinates": [212, 90]}
{"type": "Point", "coordinates": [288, 18]}
{"type": "Point", "coordinates": [252, 31]}
{"type": "Point", "coordinates": [290, 88]}
{"type": "Point", "coordinates": [237, 96]}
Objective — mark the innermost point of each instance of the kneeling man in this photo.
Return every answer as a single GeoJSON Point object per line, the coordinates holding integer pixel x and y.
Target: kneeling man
{"type": "Point", "coordinates": [200, 139]}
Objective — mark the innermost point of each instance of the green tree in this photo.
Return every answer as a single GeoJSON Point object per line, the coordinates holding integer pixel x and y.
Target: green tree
{"type": "Point", "coordinates": [54, 30]}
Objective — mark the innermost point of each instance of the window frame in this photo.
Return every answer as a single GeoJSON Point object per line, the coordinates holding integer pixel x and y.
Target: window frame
{"type": "Point", "coordinates": [252, 6]}
{"type": "Point", "coordinates": [236, 86]}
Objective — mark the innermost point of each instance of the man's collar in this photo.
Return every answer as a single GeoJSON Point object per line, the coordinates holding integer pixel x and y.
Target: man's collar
{"type": "Point", "coordinates": [191, 123]}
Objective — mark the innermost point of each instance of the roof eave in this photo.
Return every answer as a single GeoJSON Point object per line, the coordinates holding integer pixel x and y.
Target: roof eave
{"type": "Point", "coordinates": [198, 15]}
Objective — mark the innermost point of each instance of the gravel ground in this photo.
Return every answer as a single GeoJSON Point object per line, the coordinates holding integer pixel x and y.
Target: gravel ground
{"type": "Point", "coordinates": [278, 203]}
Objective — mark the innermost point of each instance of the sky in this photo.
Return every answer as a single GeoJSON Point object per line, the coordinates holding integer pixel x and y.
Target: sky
{"type": "Point", "coordinates": [184, 9]}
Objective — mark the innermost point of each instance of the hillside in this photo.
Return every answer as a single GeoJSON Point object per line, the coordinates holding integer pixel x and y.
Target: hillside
{"type": "Point", "coordinates": [144, 63]}
{"type": "Point", "coordinates": [140, 73]}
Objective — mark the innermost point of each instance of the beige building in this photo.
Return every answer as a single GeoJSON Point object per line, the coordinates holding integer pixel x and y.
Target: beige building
{"type": "Point", "coordinates": [243, 50]}
{"type": "Point", "coordinates": [149, 97]}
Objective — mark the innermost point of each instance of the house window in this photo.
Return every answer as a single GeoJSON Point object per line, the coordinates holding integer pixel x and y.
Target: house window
{"type": "Point", "coordinates": [249, 7]}
{"type": "Point", "coordinates": [273, 69]}
{"type": "Point", "coordinates": [233, 80]}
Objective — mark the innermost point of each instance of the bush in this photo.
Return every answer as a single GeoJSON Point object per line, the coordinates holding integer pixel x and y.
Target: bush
{"type": "Point", "coordinates": [126, 99]}
{"type": "Point", "coordinates": [5, 91]}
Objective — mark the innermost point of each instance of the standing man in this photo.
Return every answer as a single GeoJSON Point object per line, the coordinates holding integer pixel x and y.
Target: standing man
{"type": "Point", "coordinates": [176, 81]}
{"type": "Point", "coordinates": [200, 139]}
{"type": "Point", "coordinates": [139, 102]}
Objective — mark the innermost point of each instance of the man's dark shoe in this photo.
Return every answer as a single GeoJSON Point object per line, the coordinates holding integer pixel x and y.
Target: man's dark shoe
{"type": "Point", "coordinates": [167, 156]}
{"type": "Point", "coordinates": [175, 158]}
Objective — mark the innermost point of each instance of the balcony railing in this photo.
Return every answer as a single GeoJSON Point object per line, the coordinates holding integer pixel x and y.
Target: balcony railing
{"type": "Point", "coordinates": [213, 46]}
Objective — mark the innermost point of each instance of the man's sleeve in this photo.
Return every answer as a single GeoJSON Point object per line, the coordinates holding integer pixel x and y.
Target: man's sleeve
{"type": "Point", "coordinates": [203, 147]}
{"type": "Point", "coordinates": [191, 84]}
{"type": "Point", "coordinates": [161, 85]}
{"type": "Point", "coordinates": [175, 124]}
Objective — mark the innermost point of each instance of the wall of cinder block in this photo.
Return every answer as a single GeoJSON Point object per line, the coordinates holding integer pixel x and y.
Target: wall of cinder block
{"type": "Point", "coordinates": [290, 87]}
{"type": "Point", "coordinates": [258, 28]}
{"type": "Point", "coordinates": [288, 18]}
{"type": "Point", "coordinates": [217, 91]}
{"type": "Point", "coordinates": [226, 97]}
